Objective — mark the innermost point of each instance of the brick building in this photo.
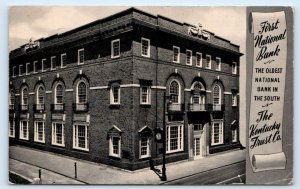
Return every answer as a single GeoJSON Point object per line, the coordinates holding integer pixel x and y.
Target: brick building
{"type": "Point", "coordinates": [96, 92]}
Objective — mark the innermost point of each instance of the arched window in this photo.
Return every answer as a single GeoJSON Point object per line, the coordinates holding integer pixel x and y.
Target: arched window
{"type": "Point", "coordinates": [24, 101]}
{"type": "Point", "coordinates": [59, 94]}
{"type": "Point", "coordinates": [81, 93]}
{"type": "Point", "coordinates": [40, 95]}
{"type": "Point", "coordinates": [175, 91]}
{"type": "Point", "coordinates": [11, 100]}
{"type": "Point", "coordinates": [198, 96]}
{"type": "Point", "coordinates": [217, 95]}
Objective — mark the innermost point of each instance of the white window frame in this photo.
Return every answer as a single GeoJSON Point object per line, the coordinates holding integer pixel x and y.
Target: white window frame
{"type": "Point", "coordinates": [43, 64]}
{"type": "Point", "coordinates": [12, 125]}
{"type": "Point", "coordinates": [53, 57]}
{"type": "Point", "coordinates": [111, 150]}
{"type": "Point", "coordinates": [20, 69]}
{"type": "Point", "coordinates": [21, 130]}
{"type": "Point", "coordinates": [221, 132]}
{"type": "Point", "coordinates": [234, 135]}
{"type": "Point", "coordinates": [148, 95]}
{"type": "Point", "coordinates": [179, 91]}
{"type": "Point", "coordinates": [179, 140]}
{"type": "Point", "coordinates": [14, 71]}
{"type": "Point", "coordinates": [27, 68]}
{"type": "Point", "coordinates": [218, 65]}
{"type": "Point", "coordinates": [178, 55]}
{"type": "Point", "coordinates": [112, 95]}
{"type": "Point", "coordinates": [22, 96]}
{"type": "Point", "coordinates": [55, 96]}
{"type": "Point", "coordinates": [148, 148]}
{"type": "Point", "coordinates": [209, 64]}
{"type": "Point", "coordinates": [112, 48]}
{"type": "Point", "coordinates": [78, 56]}
{"type": "Point", "coordinates": [86, 92]}
{"type": "Point", "coordinates": [34, 66]}
{"type": "Point", "coordinates": [61, 60]}
{"type": "Point", "coordinates": [148, 48]}
{"type": "Point", "coordinates": [37, 94]}
{"type": "Point", "coordinates": [75, 141]}
{"type": "Point", "coordinates": [234, 99]}
{"type": "Point", "coordinates": [199, 64]}
{"type": "Point", "coordinates": [190, 60]}
{"type": "Point", "coordinates": [54, 138]}
{"type": "Point", "coordinates": [36, 134]}
{"type": "Point", "coordinates": [234, 68]}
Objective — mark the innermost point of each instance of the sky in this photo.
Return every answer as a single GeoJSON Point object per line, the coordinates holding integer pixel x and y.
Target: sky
{"type": "Point", "coordinates": [35, 22]}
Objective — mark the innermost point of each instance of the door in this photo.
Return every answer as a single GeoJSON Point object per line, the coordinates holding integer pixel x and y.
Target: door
{"type": "Point", "coordinates": [198, 140]}
{"type": "Point", "coordinates": [197, 147]}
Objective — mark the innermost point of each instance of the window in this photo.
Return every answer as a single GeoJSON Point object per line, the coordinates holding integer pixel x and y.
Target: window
{"type": "Point", "coordinates": [208, 62]}
{"type": "Point", "coordinates": [53, 62]}
{"type": "Point", "coordinates": [11, 100]}
{"type": "Point", "coordinates": [44, 65]}
{"type": "Point", "coordinates": [198, 97]}
{"type": "Point", "coordinates": [24, 102]}
{"type": "Point", "coordinates": [217, 97]}
{"type": "Point", "coordinates": [63, 60]}
{"type": "Point", "coordinates": [58, 134]}
{"type": "Point", "coordinates": [40, 100]}
{"type": "Point", "coordinates": [175, 91]}
{"type": "Point", "coordinates": [145, 43]}
{"type": "Point", "coordinates": [188, 57]}
{"type": "Point", "coordinates": [20, 70]}
{"type": "Point", "coordinates": [14, 71]}
{"type": "Point", "coordinates": [80, 137]}
{"type": "Point", "coordinates": [199, 59]}
{"type": "Point", "coordinates": [35, 66]}
{"type": "Point", "coordinates": [80, 56]}
{"type": "Point", "coordinates": [115, 48]}
{"type": "Point", "coordinates": [58, 94]}
{"type": "Point", "coordinates": [24, 130]}
{"type": "Point", "coordinates": [176, 54]}
{"type": "Point", "coordinates": [145, 95]}
{"type": "Point", "coordinates": [39, 134]}
{"type": "Point", "coordinates": [12, 128]}
{"type": "Point", "coordinates": [217, 133]}
{"type": "Point", "coordinates": [27, 68]}
{"type": "Point", "coordinates": [234, 68]}
{"type": "Point", "coordinates": [144, 147]}
{"type": "Point", "coordinates": [234, 135]}
{"type": "Point", "coordinates": [174, 137]}
{"type": "Point", "coordinates": [218, 64]}
{"type": "Point", "coordinates": [234, 99]}
{"type": "Point", "coordinates": [81, 92]}
{"type": "Point", "coordinates": [115, 95]}
{"type": "Point", "coordinates": [115, 146]}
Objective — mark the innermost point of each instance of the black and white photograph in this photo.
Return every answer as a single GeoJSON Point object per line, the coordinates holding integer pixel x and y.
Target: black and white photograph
{"type": "Point", "coordinates": [114, 95]}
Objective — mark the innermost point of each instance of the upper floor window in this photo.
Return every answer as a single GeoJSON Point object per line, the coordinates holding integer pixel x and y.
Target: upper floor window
{"type": "Point", "coordinates": [198, 96]}
{"type": "Point", "coordinates": [24, 96]}
{"type": "Point", "coordinates": [58, 94]}
{"type": "Point", "coordinates": [44, 65]}
{"type": "Point", "coordinates": [199, 59]}
{"type": "Point", "coordinates": [35, 64]}
{"type": "Point", "coordinates": [63, 60]}
{"type": "Point", "coordinates": [115, 95]}
{"type": "Point", "coordinates": [145, 43]}
{"type": "Point", "coordinates": [208, 62]}
{"type": "Point", "coordinates": [176, 54]}
{"type": "Point", "coordinates": [115, 48]}
{"type": "Point", "coordinates": [81, 93]}
{"type": "Point", "coordinates": [40, 101]}
{"type": "Point", "coordinates": [217, 95]}
{"type": "Point", "coordinates": [27, 68]}
{"type": "Point", "coordinates": [175, 91]}
{"type": "Point", "coordinates": [218, 64]}
{"type": "Point", "coordinates": [188, 57]}
{"type": "Point", "coordinates": [14, 71]}
{"type": "Point", "coordinates": [80, 56]}
{"type": "Point", "coordinates": [145, 93]}
{"type": "Point", "coordinates": [234, 99]}
{"type": "Point", "coordinates": [20, 70]}
{"type": "Point", "coordinates": [11, 100]}
{"type": "Point", "coordinates": [53, 62]}
{"type": "Point", "coordinates": [234, 68]}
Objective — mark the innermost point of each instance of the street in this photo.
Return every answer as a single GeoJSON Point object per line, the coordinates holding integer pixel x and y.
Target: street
{"type": "Point", "coordinates": [223, 175]}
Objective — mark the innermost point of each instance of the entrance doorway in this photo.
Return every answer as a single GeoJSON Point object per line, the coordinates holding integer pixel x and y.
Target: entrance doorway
{"type": "Point", "coordinates": [198, 140]}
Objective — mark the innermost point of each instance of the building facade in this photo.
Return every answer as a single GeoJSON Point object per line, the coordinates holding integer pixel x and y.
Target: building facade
{"type": "Point", "coordinates": [96, 92]}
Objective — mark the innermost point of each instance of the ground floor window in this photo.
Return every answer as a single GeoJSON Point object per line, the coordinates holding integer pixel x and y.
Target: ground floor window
{"type": "Point", "coordinates": [234, 135]}
{"type": "Point", "coordinates": [80, 137]}
{"type": "Point", "coordinates": [11, 128]}
{"type": "Point", "coordinates": [144, 147]}
{"type": "Point", "coordinates": [115, 146]}
{"type": "Point", "coordinates": [217, 133]}
{"type": "Point", "coordinates": [39, 133]}
{"type": "Point", "coordinates": [174, 138]}
{"type": "Point", "coordinates": [58, 134]}
{"type": "Point", "coordinates": [24, 130]}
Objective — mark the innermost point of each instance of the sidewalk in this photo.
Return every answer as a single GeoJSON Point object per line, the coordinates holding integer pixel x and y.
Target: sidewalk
{"type": "Point", "coordinates": [60, 169]}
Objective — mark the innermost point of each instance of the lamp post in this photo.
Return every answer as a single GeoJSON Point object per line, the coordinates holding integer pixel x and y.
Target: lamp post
{"type": "Point", "coordinates": [164, 176]}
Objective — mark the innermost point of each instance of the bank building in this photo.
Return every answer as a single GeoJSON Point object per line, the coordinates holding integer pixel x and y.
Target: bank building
{"type": "Point", "coordinates": [97, 92]}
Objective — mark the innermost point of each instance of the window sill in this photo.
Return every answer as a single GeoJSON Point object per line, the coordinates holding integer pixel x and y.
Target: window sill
{"type": "Point", "coordinates": [114, 106]}
{"type": "Point", "coordinates": [114, 156]}
{"type": "Point", "coordinates": [24, 138]}
{"type": "Point", "coordinates": [59, 145]}
{"type": "Point", "coordinates": [115, 56]}
{"type": "Point", "coordinates": [145, 105]}
{"type": "Point", "coordinates": [146, 56]}
{"type": "Point", "coordinates": [81, 149]}
{"type": "Point", "coordinates": [41, 142]}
